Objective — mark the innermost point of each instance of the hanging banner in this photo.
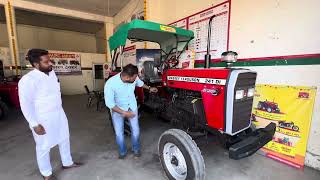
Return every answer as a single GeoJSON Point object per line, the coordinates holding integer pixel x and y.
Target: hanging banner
{"type": "Point", "coordinates": [291, 108]}
{"type": "Point", "coordinates": [66, 63]}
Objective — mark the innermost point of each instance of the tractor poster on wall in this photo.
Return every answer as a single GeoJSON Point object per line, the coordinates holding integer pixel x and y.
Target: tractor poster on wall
{"type": "Point", "coordinates": [291, 108]}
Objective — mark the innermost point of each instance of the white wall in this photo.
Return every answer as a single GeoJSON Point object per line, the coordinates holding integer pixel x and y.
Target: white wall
{"type": "Point", "coordinates": [101, 40]}
{"type": "Point", "coordinates": [124, 15]}
{"type": "Point", "coordinates": [70, 84]}
{"type": "Point", "coordinates": [168, 11]}
{"type": "Point", "coordinates": [4, 41]}
{"type": "Point", "coordinates": [262, 29]}
{"type": "Point", "coordinates": [133, 7]}
{"type": "Point", "coordinates": [285, 27]}
{"type": "Point", "coordinates": [32, 6]}
{"type": "Point", "coordinates": [31, 36]}
{"type": "Point", "coordinates": [46, 38]}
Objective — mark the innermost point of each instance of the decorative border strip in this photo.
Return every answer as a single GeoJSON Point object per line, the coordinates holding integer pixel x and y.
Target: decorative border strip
{"type": "Point", "coordinates": [25, 68]}
{"type": "Point", "coordinates": [304, 59]}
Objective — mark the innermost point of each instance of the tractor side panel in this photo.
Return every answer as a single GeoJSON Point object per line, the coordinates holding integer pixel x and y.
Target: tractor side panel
{"type": "Point", "coordinates": [214, 106]}
{"type": "Point", "coordinates": [205, 81]}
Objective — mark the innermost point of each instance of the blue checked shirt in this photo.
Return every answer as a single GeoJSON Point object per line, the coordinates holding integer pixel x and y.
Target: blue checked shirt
{"type": "Point", "coordinates": [118, 93]}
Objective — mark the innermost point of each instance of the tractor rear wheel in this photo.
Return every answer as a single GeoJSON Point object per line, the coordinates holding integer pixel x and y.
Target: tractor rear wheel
{"type": "Point", "coordinates": [180, 156]}
{"type": "Point", "coordinates": [3, 110]}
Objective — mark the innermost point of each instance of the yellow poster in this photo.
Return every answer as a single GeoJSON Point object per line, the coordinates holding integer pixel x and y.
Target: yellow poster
{"type": "Point", "coordinates": [291, 108]}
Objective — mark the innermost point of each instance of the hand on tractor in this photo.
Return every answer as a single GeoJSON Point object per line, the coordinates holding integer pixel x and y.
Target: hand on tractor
{"type": "Point", "coordinates": [39, 130]}
{"type": "Point", "coordinates": [153, 89]}
{"type": "Point", "coordinates": [128, 114]}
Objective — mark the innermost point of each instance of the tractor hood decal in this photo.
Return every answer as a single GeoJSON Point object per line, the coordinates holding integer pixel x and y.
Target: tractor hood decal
{"type": "Point", "coordinates": [197, 80]}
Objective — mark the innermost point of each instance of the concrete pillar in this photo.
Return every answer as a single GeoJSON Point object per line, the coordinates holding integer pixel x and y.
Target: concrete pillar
{"type": "Point", "coordinates": [12, 35]}
{"type": "Point", "coordinates": [101, 40]}
{"type": "Point", "coordinates": [108, 33]}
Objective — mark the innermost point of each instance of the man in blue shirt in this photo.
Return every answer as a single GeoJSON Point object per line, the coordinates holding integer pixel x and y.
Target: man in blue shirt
{"type": "Point", "coordinates": [120, 98]}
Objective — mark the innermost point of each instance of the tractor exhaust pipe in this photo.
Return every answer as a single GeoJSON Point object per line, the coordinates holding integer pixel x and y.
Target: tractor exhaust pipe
{"type": "Point", "coordinates": [207, 57]}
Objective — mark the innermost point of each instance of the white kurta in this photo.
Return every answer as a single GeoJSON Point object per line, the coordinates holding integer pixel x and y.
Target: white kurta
{"type": "Point", "coordinates": [40, 101]}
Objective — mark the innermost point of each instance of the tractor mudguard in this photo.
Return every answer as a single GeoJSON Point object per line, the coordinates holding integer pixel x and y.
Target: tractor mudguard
{"type": "Point", "coordinates": [252, 142]}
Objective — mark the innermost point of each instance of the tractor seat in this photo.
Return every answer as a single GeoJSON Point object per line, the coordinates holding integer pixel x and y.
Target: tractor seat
{"type": "Point", "coordinates": [150, 72]}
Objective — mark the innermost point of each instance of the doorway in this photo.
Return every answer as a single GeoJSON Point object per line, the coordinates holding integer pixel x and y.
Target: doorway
{"type": "Point", "coordinates": [98, 79]}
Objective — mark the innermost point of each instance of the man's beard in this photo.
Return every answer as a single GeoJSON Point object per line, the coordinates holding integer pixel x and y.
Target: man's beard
{"type": "Point", "coordinates": [45, 70]}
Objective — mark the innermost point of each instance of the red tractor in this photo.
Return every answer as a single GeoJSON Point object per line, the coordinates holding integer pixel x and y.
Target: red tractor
{"type": "Point", "coordinates": [8, 94]}
{"type": "Point", "coordinates": [209, 100]}
{"type": "Point", "coordinates": [270, 107]}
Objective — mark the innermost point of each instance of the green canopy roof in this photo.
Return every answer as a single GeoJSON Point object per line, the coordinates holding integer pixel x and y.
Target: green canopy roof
{"type": "Point", "coordinates": [148, 31]}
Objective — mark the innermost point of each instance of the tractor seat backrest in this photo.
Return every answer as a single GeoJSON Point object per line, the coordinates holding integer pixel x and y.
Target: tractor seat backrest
{"type": "Point", "coordinates": [150, 72]}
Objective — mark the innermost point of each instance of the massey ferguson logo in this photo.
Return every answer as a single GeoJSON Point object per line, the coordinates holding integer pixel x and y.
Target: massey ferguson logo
{"type": "Point", "coordinates": [197, 80]}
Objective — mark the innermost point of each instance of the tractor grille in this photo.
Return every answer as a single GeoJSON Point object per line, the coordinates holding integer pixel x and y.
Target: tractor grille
{"type": "Point", "coordinates": [242, 107]}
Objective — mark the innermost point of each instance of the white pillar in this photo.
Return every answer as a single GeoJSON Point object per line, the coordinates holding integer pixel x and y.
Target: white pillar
{"type": "Point", "coordinates": [12, 35]}
{"type": "Point", "coordinates": [108, 32]}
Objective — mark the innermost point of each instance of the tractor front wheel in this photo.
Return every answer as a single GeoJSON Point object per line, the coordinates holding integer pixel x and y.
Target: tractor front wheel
{"type": "Point", "coordinates": [295, 128]}
{"type": "Point", "coordinates": [180, 156]}
{"type": "Point", "coordinates": [269, 109]}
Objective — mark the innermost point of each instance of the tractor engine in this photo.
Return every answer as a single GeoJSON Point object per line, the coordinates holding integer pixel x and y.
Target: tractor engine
{"type": "Point", "coordinates": [185, 109]}
{"type": "Point", "coordinates": [216, 99]}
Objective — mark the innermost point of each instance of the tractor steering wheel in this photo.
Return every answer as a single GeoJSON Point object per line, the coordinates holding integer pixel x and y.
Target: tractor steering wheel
{"type": "Point", "coordinates": [173, 62]}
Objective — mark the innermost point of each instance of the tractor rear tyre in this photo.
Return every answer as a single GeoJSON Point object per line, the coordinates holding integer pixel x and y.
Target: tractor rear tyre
{"type": "Point", "coordinates": [3, 110]}
{"type": "Point", "coordinates": [180, 156]}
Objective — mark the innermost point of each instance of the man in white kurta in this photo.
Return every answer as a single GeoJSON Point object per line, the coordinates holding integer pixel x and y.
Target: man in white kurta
{"type": "Point", "coordinates": [40, 100]}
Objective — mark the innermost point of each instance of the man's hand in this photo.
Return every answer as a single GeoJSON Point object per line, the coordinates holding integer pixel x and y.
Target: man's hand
{"type": "Point", "coordinates": [128, 114]}
{"type": "Point", "coordinates": [39, 130]}
{"type": "Point", "coordinates": [153, 89]}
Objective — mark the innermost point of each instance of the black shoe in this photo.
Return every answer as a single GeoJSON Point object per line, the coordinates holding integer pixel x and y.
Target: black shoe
{"type": "Point", "coordinates": [137, 154]}
{"type": "Point", "coordinates": [122, 156]}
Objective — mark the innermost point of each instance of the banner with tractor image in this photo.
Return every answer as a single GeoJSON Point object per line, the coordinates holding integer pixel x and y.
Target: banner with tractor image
{"type": "Point", "coordinates": [291, 108]}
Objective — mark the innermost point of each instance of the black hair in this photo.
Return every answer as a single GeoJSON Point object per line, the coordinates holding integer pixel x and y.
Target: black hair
{"type": "Point", "coordinates": [130, 70]}
{"type": "Point", "coordinates": [33, 55]}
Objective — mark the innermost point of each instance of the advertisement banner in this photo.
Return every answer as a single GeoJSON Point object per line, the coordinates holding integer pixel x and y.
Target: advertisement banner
{"type": "Point", "coordinates": [291, 108]}
{"type": "Point", "coordinates": [66, 63]}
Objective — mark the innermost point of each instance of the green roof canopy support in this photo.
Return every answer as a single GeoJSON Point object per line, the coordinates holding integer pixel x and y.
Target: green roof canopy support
{"type": "Point", "coordinates": [140, 30]}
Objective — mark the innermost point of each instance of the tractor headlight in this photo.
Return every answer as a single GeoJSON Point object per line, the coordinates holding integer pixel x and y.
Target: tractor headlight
{"type": "Point", "coordinates": [250, 92]}
{"type": "Point", "coordinates": [239, 94]}
{"type": "Point", "coordinates": [229, 56]}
